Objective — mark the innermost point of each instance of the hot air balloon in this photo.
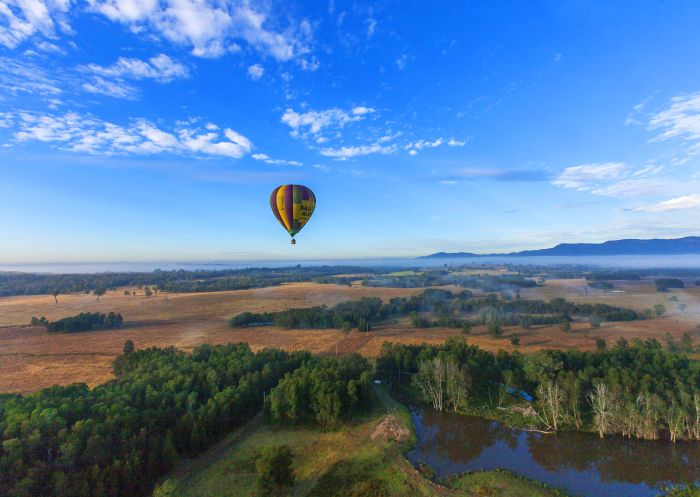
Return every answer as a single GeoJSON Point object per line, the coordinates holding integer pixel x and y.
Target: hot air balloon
{"type": "Point", "coordinates": [293, 206]}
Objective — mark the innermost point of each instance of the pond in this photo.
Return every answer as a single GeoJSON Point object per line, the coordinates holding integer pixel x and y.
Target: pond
{"type": "Point", "coordinates": [580, 463]}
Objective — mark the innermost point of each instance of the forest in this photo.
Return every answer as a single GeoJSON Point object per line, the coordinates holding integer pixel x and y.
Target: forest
{"type": "Point", "coordinates": [118, 438]}
{"type": "Point", "coordinates": [85, 321]}
{"type": "Point", "coordinates": [176, 281]}
{"type": "Point", "coordinates": [445, 308]}
{"type": "Point", "coordinates": [636, 390]}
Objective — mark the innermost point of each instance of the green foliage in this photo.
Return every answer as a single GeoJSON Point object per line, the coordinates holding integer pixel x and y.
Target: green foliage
{"type": "Point", "coordinates": [274, 468]}
{"type": "Point", "coordinates": [659, 310]}
{"type": "Point", "coordinates": [323, 391]}
{"type": "Point", "coordinates": [601, 344]}
{"type": "Point", "coordinates": [128, 347]}
{"type": "Point", "coordinates": [495, 330]}
{"type": "Point", "coordinates": [595, 321]}
{"type": "Point", "coordinates": [664, 284]}
{"type": "Point", "coordinates": [647, 389]}
{"type": "Point", "coordinates": [350, 479]}
{"type": "Point", "coordinates": [85, 321]}
{"type": "Point", "coordinates": [118, 438]}
{"type": "Point", "coordinates": [565, 326]}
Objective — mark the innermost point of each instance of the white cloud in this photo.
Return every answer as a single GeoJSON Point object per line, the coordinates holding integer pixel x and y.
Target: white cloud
{"type": "Point", "coordinates": [26, 77]}
{"type": "Point", "coordinates": [322, 167]}
{"type": "Point", "coordinates": [348, 152]}
{"type": "Point", "coordinates": [680, 119]}
{"type": "Point", "coordinates": [275, 162]}
{"type": "Point", "coordinates": [256, 71]}
{"type": "Point", "coordinates": [211, 27]}
{"type": "Point", "coordinates": [361, 111]}
{"type": "Point", "coordinates": [586, 176]}
{"type": "Point", "coordinates": [160, 68]}
{"type": "Point", "coordinates": [684, 202]}
{"type": "Point", "coordinates": [401, 62]}
{"type": "Point", "coordinates": [413, 147]}
{"type": "Point", "coordinates": [21, 19]}
{"type": "Point", "coordinates": [86, 133]}
{"type": "Point", "coordinates": [315, 121]}
{"type": "Point", "coordinates": [116, 89]}
{"type": "Point", "coordinates": [371, 26]}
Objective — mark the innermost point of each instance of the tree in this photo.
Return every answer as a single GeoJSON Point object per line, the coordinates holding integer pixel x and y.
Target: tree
{"type": "Point", "coordinates": [550, 398]}
{"type": "Point", "coordinates": [128, 347]}
{"type": "Point", "coordinates": [274, 468]}
{"type": "Point", "coordinates": [686, 343]}
{"type": "Point", "coordinates": [55, 294]}
{"type": "Point", "coordinates": [595, 321]}
{"type": "Point", "coordinates": [601, 401]}
{"type": "Point", "coordinates": [99, 292]}
{"type": "Point", "coordinates": [431, 380]}
{"type": "Point", "coordinates": [659, 310]}
{"type": "Point", "coordinates": [565, 326]}
{"type": "Point", "coordinates": [147, 292]}
{"type": "Point", "coordinates": [515, 340]}
{"type": "Point", "coordinates": [600, 344]}
{"type": "Point", "coordinates": [495, 330]}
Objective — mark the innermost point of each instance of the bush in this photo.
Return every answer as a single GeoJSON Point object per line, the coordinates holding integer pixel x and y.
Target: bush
{"type": "Point", "coordinates": [601, 344]}
{"type": "Point", "coordinates": [495, 330]}
{"type": "Point", "coordinates": [274, 468]}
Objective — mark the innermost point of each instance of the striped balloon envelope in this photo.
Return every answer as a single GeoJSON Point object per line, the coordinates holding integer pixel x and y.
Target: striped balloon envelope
{"type": "Point", "coordinates": [293, 206]}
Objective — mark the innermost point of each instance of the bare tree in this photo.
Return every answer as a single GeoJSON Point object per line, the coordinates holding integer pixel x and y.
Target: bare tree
{"type": "Point", "coordinates": [601, 401]}
{"type": "Point", "coordinates": [458, 382]}
{"type": "Point", "coordinates": [551, 400]}
{"type": "Point", "coordinates": [431, 380]}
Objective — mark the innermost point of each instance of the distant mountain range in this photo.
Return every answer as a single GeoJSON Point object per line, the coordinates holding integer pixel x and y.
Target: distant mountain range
{"type": "Point", "coordinates": [656, 246]}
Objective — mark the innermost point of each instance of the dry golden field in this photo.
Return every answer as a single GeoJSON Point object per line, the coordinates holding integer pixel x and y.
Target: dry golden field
{"type": "Point", "coordinates": [31, 358]}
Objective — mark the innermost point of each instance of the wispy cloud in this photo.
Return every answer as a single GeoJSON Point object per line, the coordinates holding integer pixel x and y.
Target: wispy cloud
{"type": "Point", "coordinates": [588, 176]}
{"type": "Point", "coordinates": [22, 19]}
{"type": "Point", "coordinates": [315, 121]}
{"type": "Point", "coordinates": [86, 133]}
{"type": "Point", "coordinates": [116, 89]}
{"type": "Point", "coordinates": [160, 68]}
{"type": "Point", "coordinates": [414, 147]}
{"type": "Point", "coordinates": [255, 72]}
{"type": "Point", "coordinates": [681, 118]}
{"type": "Point", "coordinates": [275, 162]}
{"type": "Point", "coordinates": [211, 28]}
{"type": "Point", "coordinates": [683, 202]}
{"type": "Point", "coordinates": [18, 76]}
{"type": "Point", "coordinates": [356, 151]}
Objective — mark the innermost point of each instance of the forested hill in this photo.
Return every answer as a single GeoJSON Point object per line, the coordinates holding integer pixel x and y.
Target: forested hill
{"type": "Point", "coordinates": [657, 246]}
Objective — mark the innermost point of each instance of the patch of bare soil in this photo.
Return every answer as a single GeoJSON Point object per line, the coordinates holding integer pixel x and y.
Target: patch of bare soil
{"type": "Point", "coordinates": [391, 430]}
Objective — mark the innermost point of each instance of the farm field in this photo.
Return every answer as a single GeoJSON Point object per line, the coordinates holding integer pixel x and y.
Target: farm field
{"type": "Point", "coordinates": [31, 358]}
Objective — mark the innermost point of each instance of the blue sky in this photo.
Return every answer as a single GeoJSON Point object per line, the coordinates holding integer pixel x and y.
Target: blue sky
{"type": "Point", "coordinates": [156, 129]}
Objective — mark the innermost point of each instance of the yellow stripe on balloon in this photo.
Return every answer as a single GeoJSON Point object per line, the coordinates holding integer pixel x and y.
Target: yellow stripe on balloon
{"type": "Point", "coordinates": [280, 206]}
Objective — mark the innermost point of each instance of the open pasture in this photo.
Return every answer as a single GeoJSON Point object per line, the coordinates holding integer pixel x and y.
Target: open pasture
{"type": "Point", "coordinates": [31, 358]}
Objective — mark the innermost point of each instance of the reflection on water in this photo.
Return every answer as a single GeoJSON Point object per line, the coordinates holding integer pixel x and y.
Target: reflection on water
{"type": "Point", "coordinates": [580, 463]}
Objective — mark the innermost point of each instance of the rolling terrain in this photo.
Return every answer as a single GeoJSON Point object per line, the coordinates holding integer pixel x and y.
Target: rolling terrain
{"type": "Point", "coordinates": [31, 358]}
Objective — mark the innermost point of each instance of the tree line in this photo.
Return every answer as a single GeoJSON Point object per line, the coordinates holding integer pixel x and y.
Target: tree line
{"type": "Point", "coordinates": [445, 309]}
{"type": "Point", "coordinates": [635, 390]}
{"type": "Point", "coordinates": [486, 283]}
{"type": "Point", "coordinates": [118, 438]}
{"type": "Point", "coordinates": [16, 283]}
{"type": "Point", "coordinates": [85, 321]}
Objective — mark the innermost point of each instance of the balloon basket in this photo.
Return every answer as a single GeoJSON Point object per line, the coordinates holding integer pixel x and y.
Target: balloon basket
{"type": "Point", "coordinates": [294, 242]}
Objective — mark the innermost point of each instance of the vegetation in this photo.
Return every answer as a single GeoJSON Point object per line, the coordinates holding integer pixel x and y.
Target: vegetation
{"type": "Point", "coordinates": [118, 438]}
{"type": "Point", "coordinates": [501, 483]}
{"type": "Point", "coordinates": [274, 468]}
{"type": "Point", "coordinates": [323, 391]}
{"type": "Point", "coordinates": [446, 309]}
{"type": "Point", "coordinates": [486, 283]}
{"type": "Point", "coordinates": [664, 284]}
{"type": "Point", "coordinates": [13, 283]}
{"type": "Point", "coordinates": [85, 321]}
{"type": "Point", "coordinates": [637, 390]}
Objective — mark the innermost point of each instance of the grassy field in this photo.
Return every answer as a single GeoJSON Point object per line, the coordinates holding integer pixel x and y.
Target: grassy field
{"type": "Point", "coordinates": [359, 460]}
{"type": "Point", "coordinates": [30, 358]}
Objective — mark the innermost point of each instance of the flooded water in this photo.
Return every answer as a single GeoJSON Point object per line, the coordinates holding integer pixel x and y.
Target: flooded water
{"type": "Point", "coordinates": [580, 463]}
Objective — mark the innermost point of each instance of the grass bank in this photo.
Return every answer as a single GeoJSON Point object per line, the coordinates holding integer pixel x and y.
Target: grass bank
{"type": "Point", "coordinates": [362, 459]}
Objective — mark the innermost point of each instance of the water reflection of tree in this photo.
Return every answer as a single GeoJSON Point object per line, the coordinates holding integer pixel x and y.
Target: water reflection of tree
{"type": "Point", "coordinates": [618, 459]}
{"type": "Point", "coordinates": [463, 438]}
